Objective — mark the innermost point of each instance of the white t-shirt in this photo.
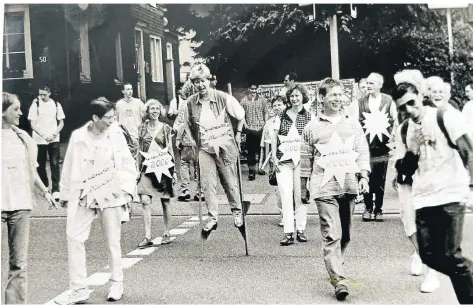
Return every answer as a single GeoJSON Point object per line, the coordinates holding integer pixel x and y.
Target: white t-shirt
{"type": "Point", "coordinates": [468, 113]}
{"type": "Point", "coordinates": [130, 114]}
{"type": "Point", "coordinates": [441, 177]}
{"type": "Point", "coordinates": [268, 131]}
{"type": "Point", "coordinates": [46, 118]}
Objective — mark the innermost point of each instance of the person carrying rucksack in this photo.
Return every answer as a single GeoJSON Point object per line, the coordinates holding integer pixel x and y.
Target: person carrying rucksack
{"type": "Point", "coordinates": [47, 120]}
{"type": "Point", "coordinates": [440, 153]}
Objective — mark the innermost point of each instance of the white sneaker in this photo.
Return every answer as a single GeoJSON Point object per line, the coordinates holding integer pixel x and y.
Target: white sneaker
{"type": "Point", "coordinates": [56, 196]}
{"type": "Point", "coordinates": [75, 297]}
{"type": "Point", "coordinates": [416, 265]}
{"type": "Point", "coordinates": [115, 292]}
{"type": "Point", "coordinates": [431, 282]}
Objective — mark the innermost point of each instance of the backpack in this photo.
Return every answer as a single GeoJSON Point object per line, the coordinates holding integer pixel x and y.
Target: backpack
{"type": "Point", "coordinates": [440, 122]}
{"type": "Point", "coordinates": [36, 101]}
{"type": "Point", "coordinates": [407, 166]}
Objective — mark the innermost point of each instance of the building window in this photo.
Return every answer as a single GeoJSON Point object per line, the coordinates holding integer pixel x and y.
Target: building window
{"type": "Point", "coordinates": [169, 50]}
{"type": "Point", "coordinates": [156, 59]}
{"type": "Point", "coordinates": [118, 55]}
{"type": "Point", "coordinates": [17, 60]}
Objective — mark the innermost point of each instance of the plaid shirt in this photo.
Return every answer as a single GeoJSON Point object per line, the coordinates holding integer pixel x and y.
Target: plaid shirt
{"type": "Point", "coordinates": [285, 123]}
{"type": "Point", "coordinates": [319, 131]}
{"type": "Point", "coordinates": [255, 112]}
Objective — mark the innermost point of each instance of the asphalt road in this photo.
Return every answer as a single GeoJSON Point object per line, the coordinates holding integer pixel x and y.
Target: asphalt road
{"type": "Point", "coordinates": [377, 264]}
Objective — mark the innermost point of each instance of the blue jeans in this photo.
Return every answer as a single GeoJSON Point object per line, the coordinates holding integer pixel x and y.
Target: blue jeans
{"type": "Point", "coordinates": [18, 227]}
{"type": "Point", "coordinates": [439, 234]}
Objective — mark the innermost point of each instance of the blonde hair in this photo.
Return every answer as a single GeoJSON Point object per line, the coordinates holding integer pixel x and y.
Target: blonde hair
{"type": "Point", "coordinates": [150, 102]}
{"type": "Point", "coordinates": [200, 71]}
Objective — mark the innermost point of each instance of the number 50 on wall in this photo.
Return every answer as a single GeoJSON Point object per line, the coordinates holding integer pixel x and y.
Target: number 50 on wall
{"type": "Point", "coordinates": [42, 59]}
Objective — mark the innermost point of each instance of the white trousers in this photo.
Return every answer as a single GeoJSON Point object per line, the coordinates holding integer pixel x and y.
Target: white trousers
{"type": "Point", "coordinates": [79, 222]}
{"type": "Point", "coordinates": [289, 184]}
{"type": "Point", "coordinates": [407, 212]}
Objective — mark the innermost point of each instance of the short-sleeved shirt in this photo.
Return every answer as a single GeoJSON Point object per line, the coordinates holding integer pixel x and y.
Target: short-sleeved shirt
{"type": "Point", "coordinates": [468, 114]}
{"type": "Point", "coordinates": [268, 131]}
{"type": "Point", "coordinates": [282, 124]}
{"type": "Point", "coordinates": [441, 176]}
{"type": "Point", "coordinates": [130, 114]}
{"type": "Point", "coordinates": [46, 116]}
{"type": "Point", "coordinates": [16, 195]}
{"type": "Point", "coordinates": [255, 112]}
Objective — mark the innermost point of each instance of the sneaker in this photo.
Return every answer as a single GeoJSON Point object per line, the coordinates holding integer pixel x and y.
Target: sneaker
{"type": "Point", "coordinates": [56, 196]}
{"type": "Point", "coordinates": [251, 177]}
{"type": "Point", "coordinates": [184, 195]}
{"type": "Point", "coordinates": [416, 265]}
{"type": "Point", "coordinates": [431, 282]}
{"type": "Point", "coordinates": [166, 239]}
{"type": "Point", "coordinates": [341, 292]}
{"type": "Point", "coordinates": [211, 225]}
{"type": "Point", "coordinates": [300, 236]}
{"type": "Point", "coordinates": [75, 297]}
{"type": "Point", "coordinates": [281, 223]}
{"type": "Point", "coordinates": [115, 292]}
{"type": "Point", "coordinates": [366, 215]}
{"type": "Point", "coordinates": [145, 243]}
{"type": "Point", "coordinates": [287, 240]}
{"type": "Point", "coordinates": [378, 217]}
{"type": "Point", "coordinates": [238, 220]}
{"type": "Point", "coordinates": [202, 196]}
{"type": "Point", "coordinates": [261, 172]}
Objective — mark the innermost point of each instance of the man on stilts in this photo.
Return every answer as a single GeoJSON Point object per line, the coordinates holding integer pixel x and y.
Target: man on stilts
{"type": "Point", "coordinates": [207, 117]}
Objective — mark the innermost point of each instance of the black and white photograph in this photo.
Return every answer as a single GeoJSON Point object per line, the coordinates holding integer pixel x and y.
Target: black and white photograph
{"type": "Point", "coordinates": [237, 153]}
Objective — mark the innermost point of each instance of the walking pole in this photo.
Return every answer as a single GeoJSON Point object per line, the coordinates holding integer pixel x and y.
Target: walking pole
{"type": "Point", "coordinates": [199, 188]}
{"type": "Point", "coordinates": [245, 206]}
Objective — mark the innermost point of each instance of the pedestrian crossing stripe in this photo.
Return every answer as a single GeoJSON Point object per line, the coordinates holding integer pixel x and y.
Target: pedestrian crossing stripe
{"type": "Point", "coordinates": [98, 279]}
{"type": "Point", "coordinates": [141, 252]}
{"type": "Point", "coordinates": [178, 231]}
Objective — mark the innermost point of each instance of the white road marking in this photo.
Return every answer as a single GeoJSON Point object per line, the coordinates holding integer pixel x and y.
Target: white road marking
{"type": "Point", "coordinates": [145, 251]}
{"type": "Point", "coordinates": [175, 232]}
{"type": "Point", "coordinates": [98, 279]}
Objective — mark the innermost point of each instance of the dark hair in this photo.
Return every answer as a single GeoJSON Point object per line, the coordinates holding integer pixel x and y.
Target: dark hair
{"type": "Point", "coordinates": [127, 83]}
{"type": "Point", "coordinates": [327, 84]}
{"type": "Point", "coordinates": [45, 88]}
{"type": "Point", "coordinates": [100, 106]}
{"type": "Point", "coordinates": [292, 76]}
{"type": "Point", "coordinates": [8, 99]}
{"type": "Point", "coordinates": [403, 88]}
{"type": "Point", "coordinates": [302, 89]}
{"type": "Point", "coordinates": [278, 97]}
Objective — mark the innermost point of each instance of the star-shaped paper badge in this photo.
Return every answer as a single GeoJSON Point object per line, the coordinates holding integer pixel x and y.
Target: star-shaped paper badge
{"type": "Point", "coordinates": [101, 183]}
{"type": "Point", "coordinates": [217, 133]}
{"type": "Point", "coordinates": [337, 159]}
{"type": "Point", "coordinates": [291, 145]}
{"type": "Point", "coordinates": [376, 124]}
{"type": "Point", "coordinates": [158, 162]}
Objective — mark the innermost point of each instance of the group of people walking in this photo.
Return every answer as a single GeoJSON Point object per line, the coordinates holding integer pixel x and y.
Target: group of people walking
{"type": "Point", "coordinates": [327, 156]}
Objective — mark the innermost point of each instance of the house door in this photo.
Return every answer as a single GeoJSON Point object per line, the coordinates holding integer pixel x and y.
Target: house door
{"type": "Point", "coordinates": [140, 64]}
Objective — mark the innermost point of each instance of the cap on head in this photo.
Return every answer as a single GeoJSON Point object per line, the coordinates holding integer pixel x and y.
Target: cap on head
{"type": "Point", "coordinates": [200, 71]}
{"type": "Point", "coordinates": [375, 78]}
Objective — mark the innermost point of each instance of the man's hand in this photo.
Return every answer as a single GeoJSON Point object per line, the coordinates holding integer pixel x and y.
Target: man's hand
{"type": "Point", "coordinates": [51, 201]}
{"type": "Point", "coordinates": [174, 178]}
{"type": "Point", "coordinates": [363, 185]}
{"type": "Point", "coordinates": [394, 183]}
{"type": "Point", "coordinates": [276, 165]}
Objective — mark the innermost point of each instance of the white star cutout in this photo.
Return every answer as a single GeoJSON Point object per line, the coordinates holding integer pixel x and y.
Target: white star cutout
{"type": "Point", "coordinates": [101, 184]}
{"type": "Point", "coordinates": [291, 145]}
{"type": "Point", "coordinates": [376, 124]}
{"type": "Point", "coordinates": [158, 162]}
{"type": "Point", "coordinates": [217, 135]}
{"type": "Point", "coordinates": [337, 159]}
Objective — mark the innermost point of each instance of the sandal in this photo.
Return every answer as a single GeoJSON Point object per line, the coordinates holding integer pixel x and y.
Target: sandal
{"type": "Point", "coordinates": [145, 243]}
{"type": "Point", "coordinates": [166, 239]}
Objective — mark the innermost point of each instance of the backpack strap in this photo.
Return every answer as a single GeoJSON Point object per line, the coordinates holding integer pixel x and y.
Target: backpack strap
{"type": "Point", "coordinates": [404, 127]}
{"type": "Point", "coordinates": [441, 123]}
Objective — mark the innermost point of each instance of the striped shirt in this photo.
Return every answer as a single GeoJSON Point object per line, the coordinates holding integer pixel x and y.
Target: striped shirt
{"type": "Point", "coordinates": [319, 131]}
{"type": "Point", "coordinates": [255, 112]}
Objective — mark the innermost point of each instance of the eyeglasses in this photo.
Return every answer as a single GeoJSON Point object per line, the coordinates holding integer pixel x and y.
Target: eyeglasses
{"type": "Point", "coordinates": [410, 103]}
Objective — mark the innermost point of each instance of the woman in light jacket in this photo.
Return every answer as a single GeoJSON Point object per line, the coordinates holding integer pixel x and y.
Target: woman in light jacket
{"type": "Point", "coordinates": [19, 155]}
{"type": "Point", "coordinates": [98, 179]}
{"type": "Point", "coordinates": [154, 135]}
